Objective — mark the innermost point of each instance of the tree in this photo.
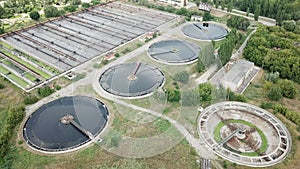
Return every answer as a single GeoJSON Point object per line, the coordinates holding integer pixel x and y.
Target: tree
{"type": "Point", "coordinates": [205, 92]}
{"type": "Point", "coordinates": [2, 86]}
{"type": "Point", "coordinates": [230, 6]}
{"type": "Point", "coordinates": [289, 25]}
{"type": "Point", "coordinates": [207, 16]}
{"type": "Point", "coordinates": [272, 77]}
{"type": "Point", "coordinates": [182, 77]}
{"type": "Point", "coordinates": [34, 15]}
{"type": "Point", "coordinates": [95, 2]}
{"type": "Point", "coordinates": [173, 95]}
{"type": "Point", "coordinates": [2, 12]}
{"type": "Point", "coordinates": [222, 5]}
{"type": "Point", "coordinates": [248, 11]}
{"type": "Point", "coordinates": [70, 8]}
{"type": "Point", "coordinates": [217, 3]}
{"type": "Point", "coordinates": [75, 2]}
{"type": "Point", "coordinates": [117, 55]}
{"type": "Point", "coordinates": [275, 93]}
{"type": "Point", "coordinates": [238, 22]}
{"type": "Point", "coordinates": [200, 65]}
{"type": "Point", "coordinates": [51, 11]}
{"type": "Point", "coordinates": [1, 28]}
{"type": "Point", "coordinates": [85, 5]}
{"type": "Point", "coordinates": [209, 55]}
{"type": "Point", "coordinates": [213, 43]}
{"type": "Point", "coordinates": [197, 2]}
{"type": "Point", "coordinates": [257, 12]}
{"type": "Point", "coordinates": [288, 88]}
{"type": "Point", "coordinates": [279, 17]}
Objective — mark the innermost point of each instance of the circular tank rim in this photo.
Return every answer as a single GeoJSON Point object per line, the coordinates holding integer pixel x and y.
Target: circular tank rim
{"type": "Point", "coordinates": [127, 96]}
{"type": "Point", "coordinates": [88, 142]}
{"type": "Point", "coordinates": [184, 62]}
{"type": "Point", "coordinates": [206, 40]}
{"type": "Point", "coordinates": [266, 164]}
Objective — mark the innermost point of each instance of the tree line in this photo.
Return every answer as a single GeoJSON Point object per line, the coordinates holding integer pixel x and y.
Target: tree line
{"type": "Point", "coordinates": [14, 117]}
{"type": "Point", "coordinates": [276, 50]}
{"type": "Point", "coordinates": [238, 22]}
{"type": "Point", "coordinates": [233, 40]}
{"type": "Point", "coordinates": [277, 9]}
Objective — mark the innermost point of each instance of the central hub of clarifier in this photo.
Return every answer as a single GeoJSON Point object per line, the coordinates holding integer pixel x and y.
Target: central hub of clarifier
{"type": "Point", "coordinates": [175, 50]}
{"type": "Point", "coordinates": [132, 77]}
{"type": "Point", "coordinates": [66, 119]}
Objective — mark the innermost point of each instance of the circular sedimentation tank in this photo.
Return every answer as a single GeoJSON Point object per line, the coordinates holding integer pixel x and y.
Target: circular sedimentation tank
{"type": "Point", "coordinates": [65, 124]}
{"type": "Point", "coordinates": [174, 52]}
{"type": "Point", "coordinates": [205, 31]}
{"type": "Point", "coordinates": [244, 134]}
{"type": "Point", "coordinates": [131, 80]}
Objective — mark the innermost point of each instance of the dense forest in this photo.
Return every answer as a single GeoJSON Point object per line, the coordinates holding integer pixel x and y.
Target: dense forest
{"type": "Point", "coordinates": [276, 50]}
{"type": "Point", "coordinates": [277, 9]}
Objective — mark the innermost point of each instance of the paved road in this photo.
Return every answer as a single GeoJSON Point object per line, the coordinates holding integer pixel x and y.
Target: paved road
{"type": "Point", "coordinates": [239, 52]}
{"type": "Point", "coordinates": [205, 76]}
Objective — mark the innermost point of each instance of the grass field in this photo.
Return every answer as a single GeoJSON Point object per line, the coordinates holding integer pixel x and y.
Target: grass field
{"type": "Point", "coordinates": [3, 70]}
{"type": "Point", "coordinates": [30, 77]}
{"type": "Point", "coordinates": [264, 144]}
{"type": "Point", "coordinates": [18, 80]}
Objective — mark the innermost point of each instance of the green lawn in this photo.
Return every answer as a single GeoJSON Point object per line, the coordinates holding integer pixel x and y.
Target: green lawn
{"type": "Point", "coordinates": [3, 70]}
{"type": "Point", "coordinates": [30, 77]}
{"type": "Point", "coordinates": [264, 144]}
{"type": "Point", "coordinates": [18, 80]}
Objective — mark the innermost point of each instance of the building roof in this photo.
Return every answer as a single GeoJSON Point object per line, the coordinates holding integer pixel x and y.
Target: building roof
{"type": "Point", "coordinates": [238, 71]}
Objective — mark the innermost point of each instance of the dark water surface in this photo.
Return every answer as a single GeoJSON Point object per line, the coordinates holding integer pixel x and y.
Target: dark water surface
{"type": "Point", "coordinates": [43, 129]}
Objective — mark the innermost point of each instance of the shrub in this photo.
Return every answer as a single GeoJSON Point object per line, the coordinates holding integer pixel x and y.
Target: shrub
{"type": "Point", "coordinates": [70, 8]}
{"type": "Point", "coordinates": [173, 95]}
{"type": "Point", "coordinates": [266, 105]}
{"type": "Point", "coordinates": [75, 2]}
{"type": "Point", "coordinates": [57, 87]}
{"type": "Point", "coordinates": [272, 77]}
{"type": "Point", "coordinates": [34, 15]}
{"type": "Point", "coordinates": [105, 62]}
{"type": "Point", "coordinates": [85, 5]}
{"type": "Point", "coordinates": [236, 97]}
{"type": "Point", "coordinates": [290, 115]}
{"type": "Point", "coordinates": [30, 99]}
{"type": "Point", "coordinates": [51, 11]}
{"type": "Point", "coordinates": [182, 77]}
{"type": "Point", "coordinates": [2, 86]}
{"type": "Point", "coordinates": [117, 55]}
{"type": "Point", "coordinates": [95, 2]}
{"type": "Point", "coordinates": [288, 88]}
{"type": "Point", "coordinates": [45, 91]}
{"type": "Point", "coordinates": [275, 93]}
{"type": "Point", "coordinates": [126, 50]}
{"type": "Point", "coordinates": [280, 109]}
